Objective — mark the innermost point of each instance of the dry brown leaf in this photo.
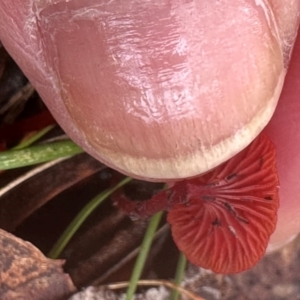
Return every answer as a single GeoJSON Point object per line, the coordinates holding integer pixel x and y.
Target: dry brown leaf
{"type": "Point", "coordinates": [25, 273]}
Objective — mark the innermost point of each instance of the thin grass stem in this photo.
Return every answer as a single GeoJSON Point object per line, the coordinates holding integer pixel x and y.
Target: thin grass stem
{"type": "Point", "coordinates": [29, 141]}
{"type": "Point", "coordinates": [181, 265]}
{"type": "Point", "coordinates": [12, 159]}
{"type": "Point", "coordinates": [69, 232]}
{"type": "Point", "coordinates": [144, 250]}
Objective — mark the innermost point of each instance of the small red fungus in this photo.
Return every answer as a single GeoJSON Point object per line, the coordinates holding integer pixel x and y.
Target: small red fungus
{"type": "Point", "coordinates": [222, 220]}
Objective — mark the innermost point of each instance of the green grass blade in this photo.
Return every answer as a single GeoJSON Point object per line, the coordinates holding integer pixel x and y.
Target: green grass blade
{"type": "Point", "coordinates": [12, 159]}
{"type": "Point", "coordinates": [144, 250]}
{"type": "Point", "coordinates": [28, 142]}
{"type": "Point", "coordinates": [181, 265]}
{"type": "Point", "coordinates": [81, 217]}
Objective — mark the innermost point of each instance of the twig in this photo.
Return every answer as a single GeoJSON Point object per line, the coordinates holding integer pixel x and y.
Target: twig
{"type": "Point", "coordinates": [13, 184]}
{"type": "Point", "coordinates": [171, 285]}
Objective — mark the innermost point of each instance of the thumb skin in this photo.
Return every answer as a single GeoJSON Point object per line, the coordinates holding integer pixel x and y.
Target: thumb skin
{"type": "Point", "coordinates": [284, 132]}
{"type": "Point", "coordinates": [157, 90]}
{"type": "Point", "coordinates": [165, 90]}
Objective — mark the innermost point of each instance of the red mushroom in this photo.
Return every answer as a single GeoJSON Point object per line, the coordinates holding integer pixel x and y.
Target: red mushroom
{"type": "Point", "coordinates": [222, 220]}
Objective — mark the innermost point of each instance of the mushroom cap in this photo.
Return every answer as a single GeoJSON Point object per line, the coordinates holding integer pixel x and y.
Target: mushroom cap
{"type": "Point", "coordinates": [228, 216]}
